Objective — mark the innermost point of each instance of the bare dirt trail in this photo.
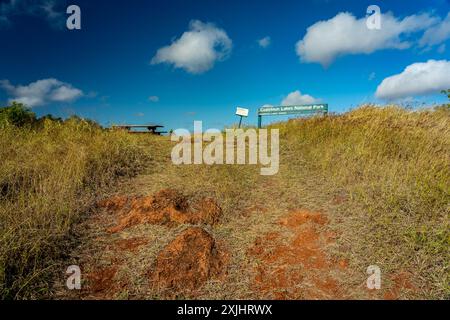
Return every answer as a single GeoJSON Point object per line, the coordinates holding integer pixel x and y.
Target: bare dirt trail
{"type": "Point", "coordinates": [215, 232]}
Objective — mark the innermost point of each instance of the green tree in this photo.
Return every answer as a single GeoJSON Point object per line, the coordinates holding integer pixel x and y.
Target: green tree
{"type": "Point", "coordinates": [445, 107]}
{"type": "Point", "coordinates": [17, 114]}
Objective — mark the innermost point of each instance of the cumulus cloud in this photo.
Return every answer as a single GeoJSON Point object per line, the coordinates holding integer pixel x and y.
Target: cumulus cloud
{"type": "Point", "coordinates": [417, 79]}
{"type": "Point", "coordinates": [264, 42]}
{"type": "Point", "coordinates": [436, 34]}
{"type": "Point", "coordinates": [50, 10]}
{"type": "Point", "coordinates": [196, 50]}
{"type": "Point", "coordinates": [344, 34]}
{"type": "Point", "coordinates": [41, 92]}
{"type": "Point", "coordinates": [296, 97]}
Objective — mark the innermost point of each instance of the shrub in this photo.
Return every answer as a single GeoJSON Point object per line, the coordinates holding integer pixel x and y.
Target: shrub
{"type": "Point", "coordinates": [49, 176]}
{"type": "Point", "coordinates": [16, 114]}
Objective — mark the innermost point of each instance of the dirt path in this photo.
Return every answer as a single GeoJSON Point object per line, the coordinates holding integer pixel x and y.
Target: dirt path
{"type": "Point", "coordinates": [216, 232]}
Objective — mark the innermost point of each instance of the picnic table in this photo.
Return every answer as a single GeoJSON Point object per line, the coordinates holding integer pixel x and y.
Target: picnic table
{"type": "Point", "coordinates": [151, 128]}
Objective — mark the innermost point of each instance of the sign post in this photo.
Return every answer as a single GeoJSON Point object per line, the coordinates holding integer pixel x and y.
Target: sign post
{"type": "Point", "coordinates": [241, 112]}
{"type": "Point", "coordinates": [296, 109]}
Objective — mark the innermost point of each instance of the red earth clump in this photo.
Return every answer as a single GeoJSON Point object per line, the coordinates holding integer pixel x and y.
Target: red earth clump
{"type": "Point", "coordinates": [130, 244]}
{"type": "Point", "coordinates": [297, 267]}
{"type": "Point", "coordinates": [114, 203]}
{"type": "Point", "coordinates": [169, 207]}
{"type": "Point", "coordinates": [187, 262]}
{"type": "Point", "coordinates": [102, 280]}
{"type": "Point", "coordinates": [297, 218]}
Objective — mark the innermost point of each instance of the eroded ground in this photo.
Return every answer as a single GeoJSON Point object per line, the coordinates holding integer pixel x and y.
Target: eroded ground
{"type": "Point", "coordinates": [221, 232]}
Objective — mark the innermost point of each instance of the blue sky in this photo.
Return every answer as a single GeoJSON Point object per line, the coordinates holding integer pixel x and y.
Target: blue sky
{"type": "Point", "coordinates": [173, 62]}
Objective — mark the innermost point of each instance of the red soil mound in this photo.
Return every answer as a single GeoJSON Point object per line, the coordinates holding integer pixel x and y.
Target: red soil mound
{"type": "Point", "coordinates": [298, 218]}
{"type": "Point", "coordinates": [169, 207]}
{"type": "Point", "coordinates": [114, 203]}
{"type": "Point", "coordinates": [298, 268]}
{"type": "Point", "coordinates": [102, 280]}
{"type": "Point", "coordinates": [130, 244]}
{"type": "Point", "coordinates": [187, 262]}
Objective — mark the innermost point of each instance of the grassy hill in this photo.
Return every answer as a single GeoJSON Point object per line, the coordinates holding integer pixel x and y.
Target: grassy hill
{"type": "Point", "coordinates": [394, 167]}
{"type": "Point", "coordinates": [380, 175]}
{"type": "Point", "coordinates": [50, 174]}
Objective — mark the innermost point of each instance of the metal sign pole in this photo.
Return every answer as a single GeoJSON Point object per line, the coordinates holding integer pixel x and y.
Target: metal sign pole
{"type": "Point", "coordinates": [241, 112]}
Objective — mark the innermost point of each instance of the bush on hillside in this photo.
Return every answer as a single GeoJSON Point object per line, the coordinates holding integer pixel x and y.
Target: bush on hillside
{"type": "Point", "coordinates": [16, 114]}
{"type": "Point", "coordinates": [51, 171]}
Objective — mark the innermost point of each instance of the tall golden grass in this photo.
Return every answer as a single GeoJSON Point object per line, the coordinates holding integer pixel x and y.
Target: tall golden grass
{"type": "Point", "coordinates": [49, 177]}
{"type": "Point", "coordinates": [394, 165]}
{"type": "Point", "coordinates": [391, 165]}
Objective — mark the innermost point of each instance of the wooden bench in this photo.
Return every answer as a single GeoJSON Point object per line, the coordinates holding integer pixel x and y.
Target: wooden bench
{"type": "Point", "coordinates": [151, 128]}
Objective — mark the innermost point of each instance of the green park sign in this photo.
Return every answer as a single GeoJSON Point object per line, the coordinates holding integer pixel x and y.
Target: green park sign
{"type": "Point", "coordinates": [297, 109]}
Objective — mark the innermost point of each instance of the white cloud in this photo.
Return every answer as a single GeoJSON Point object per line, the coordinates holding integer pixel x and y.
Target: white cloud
{"type": "Point", "coordinates": [41, 92]}
{"type": "Point", "coordinates": [436, 34]}
{"type": "Point", "coordinates": [65, 93]}
{"type": "Point", "coordinates": [153, 98]}
{"type": "Point", "coordinates": [196, 50]}
{"type": "Point", "coordinates": [50, 10]}
{"type": "Point", "coordinates": [264, 42]}
{"type": "Point", "coordinates": [417, 79]}
{"type": "Point", "coordinates": [372, 76]}
{"type": "Point", "coordinates": [296, 97]}
{"type": "Point", "coordinates": [344, 34]}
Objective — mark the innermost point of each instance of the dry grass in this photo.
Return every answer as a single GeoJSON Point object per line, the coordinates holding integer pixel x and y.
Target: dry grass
{"type": "Point", "coordinates": [393, 165]}
{"type": "Point", "coordinates": [49, 177]}
{"type": "Point", "coordinates": [380, 174]}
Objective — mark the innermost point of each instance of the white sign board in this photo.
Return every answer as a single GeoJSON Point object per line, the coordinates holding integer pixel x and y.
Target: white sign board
{"type": "Point", "coordinates": [242, 112]}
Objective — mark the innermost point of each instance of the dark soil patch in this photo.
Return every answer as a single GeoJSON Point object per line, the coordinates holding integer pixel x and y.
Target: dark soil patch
{"type": "Point", "coordinates": [102, 280]}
